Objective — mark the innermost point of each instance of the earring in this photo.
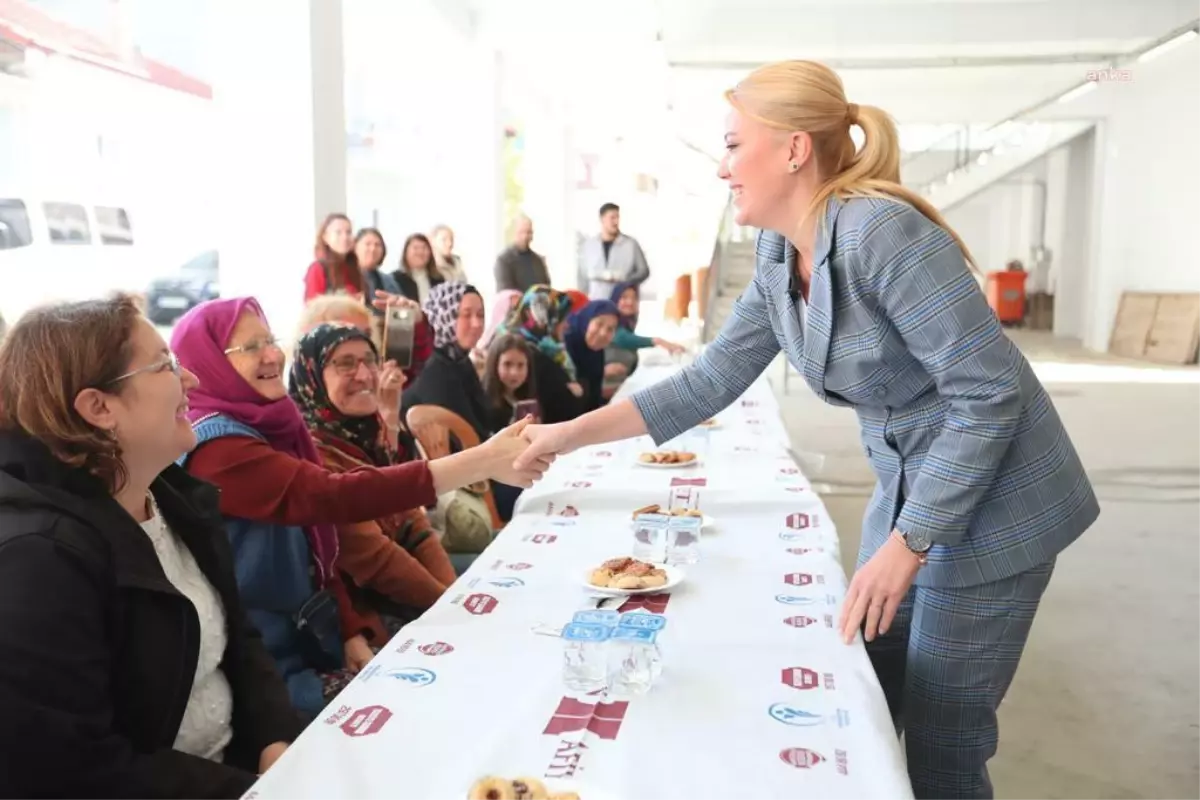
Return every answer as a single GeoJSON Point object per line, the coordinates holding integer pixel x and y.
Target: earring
{"type": "Point", "coordinates": [793, 166]}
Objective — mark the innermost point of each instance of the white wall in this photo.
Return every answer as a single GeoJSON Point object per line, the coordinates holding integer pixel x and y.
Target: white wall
{"type": "Point", "coordinates": [1146, 210]}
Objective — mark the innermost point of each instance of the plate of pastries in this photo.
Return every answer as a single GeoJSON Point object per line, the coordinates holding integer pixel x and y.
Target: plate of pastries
{"type": "Point", "coordinates": [495, 788]}
{"type": "Point", "coordinates": [628, 576]}
{"type": "Point", "coordinates": [668, 459]}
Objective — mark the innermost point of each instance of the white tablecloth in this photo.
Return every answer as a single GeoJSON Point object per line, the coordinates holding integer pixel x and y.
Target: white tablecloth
{"type": "Point", "coordinates": [758, 697]}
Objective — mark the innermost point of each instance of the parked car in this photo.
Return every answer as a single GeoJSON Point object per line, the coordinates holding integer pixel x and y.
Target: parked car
{"type": "Point", "coordinates": [168, 299]}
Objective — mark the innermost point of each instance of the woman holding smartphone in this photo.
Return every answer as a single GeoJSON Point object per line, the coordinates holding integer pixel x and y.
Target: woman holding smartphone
{"type": "Point", "coordinates": [508, 382]}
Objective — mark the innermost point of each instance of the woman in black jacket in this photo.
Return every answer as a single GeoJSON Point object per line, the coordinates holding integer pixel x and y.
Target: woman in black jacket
{"type": "Point", "coordinates": [418, 272]}
{"type": "Point", "coordinates": [127, 667]}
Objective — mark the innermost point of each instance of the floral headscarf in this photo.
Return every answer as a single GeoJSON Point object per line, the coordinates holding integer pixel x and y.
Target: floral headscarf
{"type": "Point", "coordinates": [441, 309]}
{"type": "Point", "coordinates": [311, 396]}
{"type": "Point", "coordinates": [536, 317]}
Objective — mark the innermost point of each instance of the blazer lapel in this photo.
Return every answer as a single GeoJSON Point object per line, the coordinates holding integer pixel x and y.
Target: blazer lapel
{"type": "Point", "coordinates": [820, 303]}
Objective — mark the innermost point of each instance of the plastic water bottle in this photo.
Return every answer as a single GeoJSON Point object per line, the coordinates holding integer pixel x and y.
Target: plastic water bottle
{"type": "Point", "coordinates": [650, 537]}
{"type": "Point", "coordinates": [634, 661]}
{"type": "Point", "coordinates": [585, 656]}
{"type": "Point", "coordinates": [598, 616]}
{"type": "Point", "coordinates": [683, 540]}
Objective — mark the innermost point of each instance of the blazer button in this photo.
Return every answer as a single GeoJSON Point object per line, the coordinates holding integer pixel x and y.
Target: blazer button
{"type": "Point", "coordinates": [879, 392]}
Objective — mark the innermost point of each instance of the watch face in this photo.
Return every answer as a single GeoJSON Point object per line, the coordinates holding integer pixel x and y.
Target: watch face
{"type": "Point", "coordinates": [916, 542]}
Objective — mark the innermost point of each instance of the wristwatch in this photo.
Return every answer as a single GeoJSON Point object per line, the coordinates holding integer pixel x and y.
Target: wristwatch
{"type": "Point", "coordinates": [917, 544]}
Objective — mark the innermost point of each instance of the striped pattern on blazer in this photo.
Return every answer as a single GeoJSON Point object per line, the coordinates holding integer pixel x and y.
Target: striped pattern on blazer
{"type": "Point", "coordinates": [966, 444]}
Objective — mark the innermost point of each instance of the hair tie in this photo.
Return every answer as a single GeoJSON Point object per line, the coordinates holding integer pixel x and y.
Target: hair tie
{"type": "Point", "coordinates": [852, 113]}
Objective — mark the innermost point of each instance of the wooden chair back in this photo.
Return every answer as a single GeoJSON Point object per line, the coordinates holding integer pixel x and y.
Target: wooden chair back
{"type": "Point", "coordinates": [432, 426]}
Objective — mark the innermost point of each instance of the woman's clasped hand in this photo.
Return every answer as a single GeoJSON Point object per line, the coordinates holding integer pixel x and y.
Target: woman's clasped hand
{"type": "Point", "coordinates": [509, 445]}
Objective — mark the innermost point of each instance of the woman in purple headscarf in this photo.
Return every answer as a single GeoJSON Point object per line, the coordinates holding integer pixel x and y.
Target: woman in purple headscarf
{"type": "Point", "coordinates": [281, 505]}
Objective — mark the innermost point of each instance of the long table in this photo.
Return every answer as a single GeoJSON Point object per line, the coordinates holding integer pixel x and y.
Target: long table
{"type": "Point", "coordinates": [758, 698]}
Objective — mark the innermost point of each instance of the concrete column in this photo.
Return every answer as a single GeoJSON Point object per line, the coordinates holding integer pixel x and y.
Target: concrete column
{"type": "Point", "coordinates": [279, 108]}
{"type": "Point", "coordinates": [547, 163]}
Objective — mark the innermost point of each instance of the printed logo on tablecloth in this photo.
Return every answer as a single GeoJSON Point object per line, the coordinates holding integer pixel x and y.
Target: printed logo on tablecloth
{"type": "Point", "coordinates": [603, 454]}
{"type": "Point", "coordinates": [741, 448]}
{"type": "Point", "coordinates": [567, 511]}
{"type": "Point", "coordinates": [798, 717]}
{"type": "Point", "coordinates": [803, 551]}
{"type": "Point", "coordinates": [789, 471]}
{"type": "Point", "coordinates": [540, 538]}
{"type": "Point", "coordinates": [574, 715]}
{"type": "Point", "coordinates": [803, 579]}
{"type": "Point", "coordinates": [749, 404]}
{"type": "Point", "coordinates": [477, 603]}
{"type": "Point", "coordinates": [406, 676]}
{"type": "Point", "coordinates": [520, 565]}
{"type": "Point", "coordinates": [653, 603]}
{"type": "Point", "coordinates": [404, 647]}
{"type": "Point", "coordinates": [804, 622]}
{"type": "Point", "coordinates": [577, 484]}
{"type": "Point", "coordinates": [803, 758]}
{"type": "Point", "coordinates": [754, 421]}
{"type": "Point", "coordinates": [363, 722]}
{"type": "Point", "coordinates": [800, 521]}
{"type": "Point", "coordinates": [436, 649]}
{"type": "Point", "coordinates": [703, 482]}
{"type": "Point", "coordinates": [795, 489]}
{"type": "Point", "coordinates": [565, 762]}
{"type": "Point", "coordinates": [594, 467]}
{"type": "Point", "coordinates": [507, 583]}
{"type": "Point", "coordinates": [804, 678]}
{"type": "Point", "coordinates": [794, 600]}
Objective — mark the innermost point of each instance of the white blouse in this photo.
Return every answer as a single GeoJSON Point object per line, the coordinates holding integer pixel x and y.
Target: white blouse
{"type": "Point", "coordinates": [206, 727]}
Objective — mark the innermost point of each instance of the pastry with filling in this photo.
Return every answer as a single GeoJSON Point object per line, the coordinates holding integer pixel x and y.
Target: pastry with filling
{"type": "Point", "coordinates": [667, 457]}
{"type": "Point", "coordinates": [492, 788]}
{"type": "Point", "coordinates": [655, 508]}
{"type": "Point", "coordinates": [627, 573]}
{"type": "Point", "coordinates": [530, 789]}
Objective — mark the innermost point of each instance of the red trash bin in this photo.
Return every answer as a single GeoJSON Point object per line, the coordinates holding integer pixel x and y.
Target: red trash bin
{"type": "Point", "coordinates": [1006, 294]}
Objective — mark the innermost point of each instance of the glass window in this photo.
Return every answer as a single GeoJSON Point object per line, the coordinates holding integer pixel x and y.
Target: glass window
{"type": "Point", "coordinates": [67, 223]}
{"type": "Point", "coordinates": [113, 225]}
{"type": "Point", "coordinates": [14, 225]}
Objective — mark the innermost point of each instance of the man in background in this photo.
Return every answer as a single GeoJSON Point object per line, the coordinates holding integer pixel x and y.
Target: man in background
{"type": "Point", "coordinates": [611, 257]}
{"type": "Point", "coordinates": [519, 267]}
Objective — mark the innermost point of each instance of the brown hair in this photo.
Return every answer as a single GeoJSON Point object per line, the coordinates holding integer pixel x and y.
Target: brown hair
{"type": "Point", "coordinates": [808, 96]}
{"type": "Point", "coordinates": [491, 379]}
{"type": "Point", "coordinates": [340, 269]}
{"type": "Point", "coordinates": [58, 351]}
{"type": "Point", "coordinates": [435, 275]}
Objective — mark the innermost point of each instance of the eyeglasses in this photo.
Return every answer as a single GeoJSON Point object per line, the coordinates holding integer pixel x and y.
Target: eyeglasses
{"type": "Point", "coordinates": [348, 365]}
{"type": "Point", "coordinates": [171, 362]}
{"type": "Point", "coordinates": [255, 347]}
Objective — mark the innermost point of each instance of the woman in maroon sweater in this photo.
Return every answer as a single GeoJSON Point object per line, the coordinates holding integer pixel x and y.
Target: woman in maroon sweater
{"type": "Point", "coordinates": [281, 504]}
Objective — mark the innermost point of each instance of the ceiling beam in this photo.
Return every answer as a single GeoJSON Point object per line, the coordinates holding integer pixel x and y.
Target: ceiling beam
{"type": "Point", "coordinates": [946, 62]}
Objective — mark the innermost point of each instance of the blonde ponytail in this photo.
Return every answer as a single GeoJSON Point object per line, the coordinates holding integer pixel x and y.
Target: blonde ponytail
{"type": "Point", "coordinates": [808, 96]}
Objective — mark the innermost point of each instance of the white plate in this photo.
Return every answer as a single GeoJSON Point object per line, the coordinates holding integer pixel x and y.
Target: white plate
{"type": "Point", "coordinates": [674, 578]}
{"type": "Point", "coordinates": [705, 522]}
{"type": "Point", "coordinates": [694, 462]}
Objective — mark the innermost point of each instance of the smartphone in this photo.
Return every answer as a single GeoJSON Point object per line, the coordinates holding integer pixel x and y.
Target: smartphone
{"type": "Point", "coordinates": [526, 408]}
{"type": "Point", "coordinates": [399, 328]}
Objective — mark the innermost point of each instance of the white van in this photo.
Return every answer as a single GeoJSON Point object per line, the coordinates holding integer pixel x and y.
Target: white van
{"type": "Point", "coordinates": [63, 248]}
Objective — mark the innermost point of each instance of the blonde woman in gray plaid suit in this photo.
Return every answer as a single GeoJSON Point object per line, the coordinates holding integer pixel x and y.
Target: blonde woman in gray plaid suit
{"type": "Point", "coordinates": [871, 296]}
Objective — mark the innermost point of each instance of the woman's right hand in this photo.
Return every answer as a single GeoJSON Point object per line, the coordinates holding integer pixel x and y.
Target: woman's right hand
{"type": "Point", "coordinates": [505, 448]}
{"type": "Point", "coordinates": [545, 441]}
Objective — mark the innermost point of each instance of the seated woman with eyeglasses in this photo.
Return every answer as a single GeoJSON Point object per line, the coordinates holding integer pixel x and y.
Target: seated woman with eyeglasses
{"type": "Point", "coordinates": [281, 504]}
{"type": "Point", "coordinates": [127, 665]}
{"type": "Point", "coordinates": [395, 566]}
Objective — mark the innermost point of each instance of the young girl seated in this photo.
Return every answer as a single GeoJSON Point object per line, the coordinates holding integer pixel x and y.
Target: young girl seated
{"type": "Point", "coordinates": [508, 380]}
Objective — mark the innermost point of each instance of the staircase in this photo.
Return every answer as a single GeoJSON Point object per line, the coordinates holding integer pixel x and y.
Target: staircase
{"type": "Point", "coordinates": [995, 155]}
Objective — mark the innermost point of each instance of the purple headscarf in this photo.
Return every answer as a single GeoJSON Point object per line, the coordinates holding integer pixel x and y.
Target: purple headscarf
{"type": "Point", "coordinates": [199, 341]}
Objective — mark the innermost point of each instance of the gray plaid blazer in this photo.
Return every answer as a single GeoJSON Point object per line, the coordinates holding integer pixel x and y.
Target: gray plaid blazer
{"type": "Point", "coordinates": [964, 441]}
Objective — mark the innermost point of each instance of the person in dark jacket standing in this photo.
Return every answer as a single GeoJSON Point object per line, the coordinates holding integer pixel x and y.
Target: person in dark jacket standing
{"type": "Point", "coordinates": [127, 666]}
{"type": "Point", "coordinates": [519, 267]}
